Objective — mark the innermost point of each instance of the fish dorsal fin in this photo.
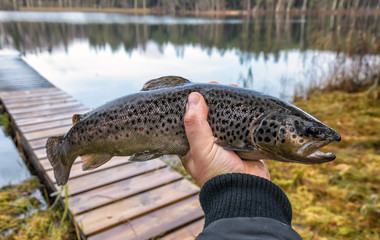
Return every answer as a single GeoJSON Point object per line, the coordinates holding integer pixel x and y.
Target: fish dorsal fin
{"type": "Point", "coordinates": [164, 82]}
{"type": "Point", "coordinates": [77, 117]}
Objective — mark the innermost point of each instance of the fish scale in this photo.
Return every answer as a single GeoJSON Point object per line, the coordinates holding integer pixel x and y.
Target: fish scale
{"type": "Point", "coordinates": [149, 124]}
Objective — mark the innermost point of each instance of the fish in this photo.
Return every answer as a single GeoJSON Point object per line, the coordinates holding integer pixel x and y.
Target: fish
{"type": "Point", "coordinates": [149, 124]}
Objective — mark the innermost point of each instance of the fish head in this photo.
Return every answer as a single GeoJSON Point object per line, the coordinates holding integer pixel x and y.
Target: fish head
{"type": "Point", "coordinates": [293, 137]}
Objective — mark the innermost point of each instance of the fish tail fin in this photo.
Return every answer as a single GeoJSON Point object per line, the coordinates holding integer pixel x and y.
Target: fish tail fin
{"type": "Point", "coordinates": [58, 159]}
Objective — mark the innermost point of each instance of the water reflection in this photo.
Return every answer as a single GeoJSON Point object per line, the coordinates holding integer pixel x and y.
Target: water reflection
{"type": "Point", "coordinates": [12, 167]}
{"type": "Point", "coordinates": [99, 56]}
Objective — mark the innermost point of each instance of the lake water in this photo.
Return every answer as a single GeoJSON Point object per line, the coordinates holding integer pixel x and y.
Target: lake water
{"type": "Point", "coordinates": [97, 57]}
{"type": "Point", "coordinates": [100, 56]}
{"type": "Point", "coordinates": [12, 167]}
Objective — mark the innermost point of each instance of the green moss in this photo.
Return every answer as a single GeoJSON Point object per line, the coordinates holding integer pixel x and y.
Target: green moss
{"type": "Point", "coordinates": [22, 218]}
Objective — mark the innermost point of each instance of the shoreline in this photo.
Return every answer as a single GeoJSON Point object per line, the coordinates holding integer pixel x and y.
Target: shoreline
{"type": "Point", "coordinates": [224, 13]}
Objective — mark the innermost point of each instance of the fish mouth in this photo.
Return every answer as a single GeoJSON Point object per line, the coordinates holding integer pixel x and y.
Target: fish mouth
{"type": "Point", "coordinates": [310, 152]}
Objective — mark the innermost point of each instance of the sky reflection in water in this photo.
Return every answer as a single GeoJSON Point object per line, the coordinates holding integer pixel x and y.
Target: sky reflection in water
{"type": "Point", "coordinates": [95, 76]}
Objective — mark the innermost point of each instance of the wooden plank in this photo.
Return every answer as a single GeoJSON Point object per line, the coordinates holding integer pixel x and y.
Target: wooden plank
{"type": "Point", "coordinates": [154, 223]}
{"type": "Point", "coordinates": [42, 107]}
{"type": "Point", "coordinates": [114, 192]}
{"type": "Point", "coordinates": [17, 96]}
{"type": "Point", "coordinates": [31, 103]}
{"type": "Point", "coordinates": [46, 133]}
{"type": "Point", "coordinates": [187, 232]}
{"type": "Point", "coordinates": [111, 215]}
{"type": "Point", "coordinates": [37, 145]}
{"type": "Point", "coordinates": [48, 112]}
{"type": "Point", "coordinates": [45, 119]}
{"type": "Point", "coordinates": [76, 170]}
{"type": "Point", "coordinates": [46, 125]}
{"type": "Point", "coordinates": [13, 94]}
{"type": "Point", "coordinates": [97, 179]}
{"type": "Point", "coordinates": [45, 164]}
{"type": "Point", "coordinates": [58, 95]}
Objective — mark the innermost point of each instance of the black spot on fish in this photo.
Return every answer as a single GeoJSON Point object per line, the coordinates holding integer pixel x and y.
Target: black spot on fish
{"type": "Point", "coordinates": [282, 131]}
{"type": "Point", "coordinates": [268, 130]}
{"type": "Point", "coordinates": [274, 134]}
{"type": "Point", "coordinates": [294, 136]}
{"type": "Point", "coordinates": [291, 129]}
{"type": "Point", "coordinates": [264, 123]}
{"type": "Point", "coordinates": [301, 141]}
{"type": "Point", "coordinates": [283, 141]}
{"type": "Point", "coordinates": [261, 110]}
{"type": "Point", "coordinates": [260, 139]}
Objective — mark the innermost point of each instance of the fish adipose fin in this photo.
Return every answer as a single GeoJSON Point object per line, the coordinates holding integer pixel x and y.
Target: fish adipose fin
{"type": "Point", "coordinates": [164, 82]}
{"type": "Point", "coordinates": [144, 156]}
{"type": "Point", "coordinates": [58, 159]}
{"type": "Point", "coordinates": [92, 161]}
{"type": "Point", "coordinates": [77, 117]}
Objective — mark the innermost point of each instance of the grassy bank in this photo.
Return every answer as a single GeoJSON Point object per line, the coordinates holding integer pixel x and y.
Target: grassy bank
{"type": "Point", "coordinates": [24, 216]}
{"type": "Point", "coordinates": [338, 200]}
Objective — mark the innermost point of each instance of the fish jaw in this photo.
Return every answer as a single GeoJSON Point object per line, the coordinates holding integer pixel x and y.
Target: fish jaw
{"type": "Point", "coordinates": [311, 154]}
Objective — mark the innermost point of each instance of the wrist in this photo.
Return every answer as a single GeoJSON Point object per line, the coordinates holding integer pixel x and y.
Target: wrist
{"type": "Point", "coordinates": [243, 195]}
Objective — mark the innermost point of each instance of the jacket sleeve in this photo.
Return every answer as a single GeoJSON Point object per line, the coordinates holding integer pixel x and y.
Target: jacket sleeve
{"type": "Point", "coordinates": [243, 206]}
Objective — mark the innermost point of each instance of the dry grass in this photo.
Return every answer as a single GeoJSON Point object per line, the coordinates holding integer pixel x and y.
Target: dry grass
{"type": "Point", "coordinates": [21, 215]}
{"type": "Point", "coordinates": [338, 200]}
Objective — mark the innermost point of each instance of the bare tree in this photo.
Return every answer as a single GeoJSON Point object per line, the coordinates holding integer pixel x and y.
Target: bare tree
{"type": "Point", "coordinates": [304, 6]}
{"type": "Point", "coordinates": [278, 7]}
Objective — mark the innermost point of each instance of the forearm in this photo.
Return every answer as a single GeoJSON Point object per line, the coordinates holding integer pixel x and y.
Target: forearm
{"type": "Point", "coordinates": [247, 200]}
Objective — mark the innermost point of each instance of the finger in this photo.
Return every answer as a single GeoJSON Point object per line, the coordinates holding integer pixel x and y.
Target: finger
{"type": "Point", "coordinates": [197, 129]}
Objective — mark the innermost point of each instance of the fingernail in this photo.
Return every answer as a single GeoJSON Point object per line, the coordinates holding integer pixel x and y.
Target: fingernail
{"type": "Point", "coordinates": [193, 100]}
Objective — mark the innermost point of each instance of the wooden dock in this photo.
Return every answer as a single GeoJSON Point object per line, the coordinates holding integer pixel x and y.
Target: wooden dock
{"type": "Point", "coordinates": [119, 200]}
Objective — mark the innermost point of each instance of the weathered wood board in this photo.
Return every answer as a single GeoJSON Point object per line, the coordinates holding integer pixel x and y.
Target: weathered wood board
{"type": "Point", "coordinates": [119, 200]}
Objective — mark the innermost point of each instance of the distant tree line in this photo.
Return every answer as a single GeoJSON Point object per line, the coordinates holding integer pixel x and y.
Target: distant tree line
{"type": "Point", "coordinates": [264, 35]}
{"type": "Point", "coordinates": [173, 6]}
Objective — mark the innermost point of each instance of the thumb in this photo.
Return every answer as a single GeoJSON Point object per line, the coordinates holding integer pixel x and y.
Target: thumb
{"type": "Point", "coordinates": [198, 130]}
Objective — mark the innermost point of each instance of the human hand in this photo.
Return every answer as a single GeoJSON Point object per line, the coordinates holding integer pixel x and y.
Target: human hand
{"type": "Point", "coordinates": [206, 159]}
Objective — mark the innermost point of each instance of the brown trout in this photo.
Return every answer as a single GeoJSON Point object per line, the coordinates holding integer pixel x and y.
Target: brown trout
{"type": "Point", "coordinates": [149, 124]}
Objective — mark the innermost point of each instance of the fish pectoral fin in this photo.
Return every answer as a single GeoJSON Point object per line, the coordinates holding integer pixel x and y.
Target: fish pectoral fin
{"type": "Point", "coordinates": [144, 156]}
{"type": "Point", "coordinates": [164, 82]}
{"type": "Point", "coordinates": [252, 155]}
{"type": "Point", "coordinates": [94, 160]}
{"type": "Point", "coordinates": [76, 117]}
{"type": "Point", "coordinates": [228, 146]}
